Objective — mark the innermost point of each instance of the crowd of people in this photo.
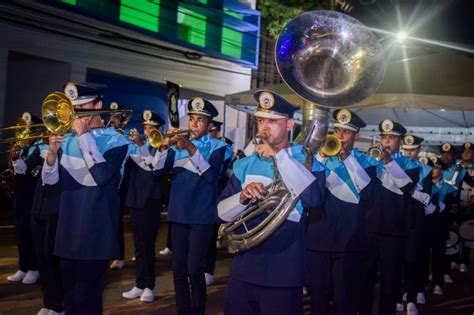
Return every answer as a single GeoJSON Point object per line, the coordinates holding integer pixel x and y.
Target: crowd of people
{"type": "Point", "coordinates": [356, 213]}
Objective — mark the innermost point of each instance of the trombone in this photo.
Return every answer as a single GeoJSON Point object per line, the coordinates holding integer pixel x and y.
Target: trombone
{"type": "Point", "coordinates": [23, 133]}
{"type": "Point", "coordinates": [58, 113]}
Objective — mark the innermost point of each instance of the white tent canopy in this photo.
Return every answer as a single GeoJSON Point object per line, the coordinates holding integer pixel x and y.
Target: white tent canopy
{"type": "Point", "coordinates": [431, 94]}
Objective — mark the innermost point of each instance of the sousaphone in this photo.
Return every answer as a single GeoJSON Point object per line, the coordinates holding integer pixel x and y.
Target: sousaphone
{"type": "Point", "coordinates": [330, 60]}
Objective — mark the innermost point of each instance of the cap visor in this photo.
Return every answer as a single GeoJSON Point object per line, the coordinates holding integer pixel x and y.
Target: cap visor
{"type": "Point", "coordinates": [347, 127]}
{"type": "Point", "coordinates": [199, 113]}
{"type": "Point", "coordinates": [269, 115]}
{"type": "Point", "coordinates": [82, 101]}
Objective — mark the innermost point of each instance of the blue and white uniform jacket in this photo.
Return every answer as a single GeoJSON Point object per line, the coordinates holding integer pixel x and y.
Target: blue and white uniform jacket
{"type": "Point", "coordinates": [462, 177]}
{"type": "Point", "coordinates": [280, 260]}
{"type": "Point", "coordinates": [89, 169]}
{"type": "Point", "coordinates": [339, 225]}
{"type": "Point", "coordinates": [142, 184]}
{"type": "Point", "coordinates": [467, 187]}
{"type": "Point", "coordinates": [420, 201]}
{"type": "Point", "coordinates": [194, 182]}
{"type": "Point", "coordinates": [442, 196]}
{"type": "Point", "coordinates": [27, 169]}
{"type": "Point", "coordinates": [388, 215]}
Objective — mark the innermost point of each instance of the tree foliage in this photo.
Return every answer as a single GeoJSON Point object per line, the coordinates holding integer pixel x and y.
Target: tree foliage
{"type": "Point", "coordinates": [276, 13]}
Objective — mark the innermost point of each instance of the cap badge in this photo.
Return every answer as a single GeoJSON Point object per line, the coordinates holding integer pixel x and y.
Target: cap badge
{"type": "Point", "coordinates": [266, 100]}
{"type": "Point", "coordinates": [344, 116]}
{"type": "Point", "coordinates": [409, 140]}
{"type": "Point", "coordinates": [197, 104]}
{"type": "Point", "coordinates": [446, 147]}
{"type": "Point", "coordinates": [114, 105]}
{"type": "Point", "coordinates": [147, 114]}
{"type": "Point", "coordinates": [71, 91]}
{"type": "Point", "coordinates": [387, 125]}
{"type": "Point", "coordinates": [26, 117]}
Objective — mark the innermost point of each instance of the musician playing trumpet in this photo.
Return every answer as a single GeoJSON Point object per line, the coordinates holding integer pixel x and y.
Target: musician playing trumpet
{"type": "Point", "coordinates": [145, 202]}
{"type": "Point", "coordinates": [197, 165]}
{"type": "Point", "coordinates": [386, 219]}
{"type": "Point", "coordinates": [269, 278]}
{"type": "Point", "coordinates": [336, 238]}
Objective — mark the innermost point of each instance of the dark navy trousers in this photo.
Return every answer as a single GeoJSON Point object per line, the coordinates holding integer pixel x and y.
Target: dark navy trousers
{"type": "Point", "coordinates": [83, 283]}
{"type": "Point", "coordinates": [190, 247]}
{"type": "Point", "coordinates": [212, 252]}
{"type": "Point", "coordinates": [250, 299]}
{"type": "Point", "coordinates": [44, 235]}
{"type": "Point", "coordinates": [388, 253]}
{"type": "Point", "coordinates": [336, 277]}
{"type": "Point", "coordinates": [26, 248]}
{"type": "Point", "coordinates": [145, 224]}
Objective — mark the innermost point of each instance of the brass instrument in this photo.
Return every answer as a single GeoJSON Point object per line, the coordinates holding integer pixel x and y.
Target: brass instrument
{"type": "Point", "coordinates": [332, 146]}
{"type": "Point", "coordinates": [377, 152]}
{"type": "Point", "coordinates": [260, 138]}
{"type": "Point", "coordinates": [23, 133]}
{"type": "Point", "coordinates": [331, 60]}
{"type": "Point", "coordinates": [58, 113]}
{"type": "Point", "coordinates": [155, 138]}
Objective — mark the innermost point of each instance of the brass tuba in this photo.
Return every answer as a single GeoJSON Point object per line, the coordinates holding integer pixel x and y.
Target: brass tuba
{"type": "Point", "coordinates": [330, 60]}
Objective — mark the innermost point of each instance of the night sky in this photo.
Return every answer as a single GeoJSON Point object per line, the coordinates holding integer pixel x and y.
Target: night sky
{"type": "Point", "coordinates": [442, 20]}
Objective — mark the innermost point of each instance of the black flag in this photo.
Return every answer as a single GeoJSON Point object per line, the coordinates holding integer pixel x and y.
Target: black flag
{"type": "Point", "coordinates": [173, 95]}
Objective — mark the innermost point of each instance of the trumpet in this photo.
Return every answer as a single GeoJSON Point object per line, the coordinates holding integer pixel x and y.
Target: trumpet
{"type": "Point", "coordinates": [155, 138]}
{"type": "Point", "coordinates": [377, 151]}
{"type": "Point", "coordinates": [58, 113]}
{"type": "Point", "coordinates": [332, 146]}
{"type": "Point", "coordinates": [260, 138]}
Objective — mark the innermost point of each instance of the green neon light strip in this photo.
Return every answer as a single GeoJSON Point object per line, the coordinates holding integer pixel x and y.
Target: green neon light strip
{"type": "Point", "coordinates": [71, 2]}
{"type": "Point", "coordinates": [192, 26]}
{"type": "Point", "coordinates": [231, 44]}
{"type": "Point", "coordinates": [141, 13]}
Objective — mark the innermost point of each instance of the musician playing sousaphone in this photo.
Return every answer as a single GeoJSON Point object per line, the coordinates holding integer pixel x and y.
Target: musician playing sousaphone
{"type": "Point", "coordinates": [269, 278]}
{"type": "Point", "coordinates": [336, 238]}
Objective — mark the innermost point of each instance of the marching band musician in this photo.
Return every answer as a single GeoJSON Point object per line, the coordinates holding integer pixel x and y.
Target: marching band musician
{"type": "Point", "coordinates": [44, 221]}
{"type": "Point", "coordinates": [144, 200]}
{"type": "Point", "coordinates": [336, 238]}
{"type": "Point", "coordinates": [414, 276]}
{"type": "Point", "coordinates": [118, 121]}
{"type": "Point", "coordinates": [387, 219]}
{"type": "Point", "coordinates": [437, 233]}
{"type": "Point", "coordinates": [455, 175]}
{"type": "Point", "coordinates": [87, 164]}
{"type": "Point", "coordinates": [197, 165]}
{"type": "Point", "coordinates": [26, 164]}
{"type": "Point", "coordinates": [269, 278]}
{"type": "Point", "coordinates": [215, 131]}
{"type": "Point", "coordinates": [466, 199]}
